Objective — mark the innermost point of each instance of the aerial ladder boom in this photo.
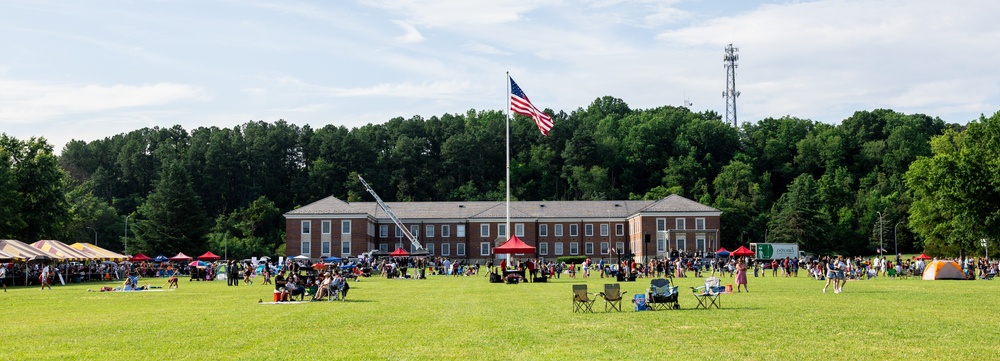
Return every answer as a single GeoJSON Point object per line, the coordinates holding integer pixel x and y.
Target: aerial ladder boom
{"type": "Point", "coordinates": [399, 224]}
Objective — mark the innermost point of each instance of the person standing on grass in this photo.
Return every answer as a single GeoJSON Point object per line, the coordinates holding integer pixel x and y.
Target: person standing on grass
{"type": "Point", "coordinates": [841, 267]}
{"type": "Point", "coordinates": [3, 274]}
{"type": "Point", "coordinates": [44, 277]}
{"type": "Point", "coordinates": [831, 273]}
{"type": "Point", "coordinates": [741, 275]}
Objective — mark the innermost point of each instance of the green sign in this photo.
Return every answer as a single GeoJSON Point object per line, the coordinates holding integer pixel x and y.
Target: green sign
{"type": "Point", "coordinates": [764, 251]}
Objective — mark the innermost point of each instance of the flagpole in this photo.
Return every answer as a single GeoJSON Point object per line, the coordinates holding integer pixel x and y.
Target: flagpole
{"type": "Point", "coordinates": [507, 136]}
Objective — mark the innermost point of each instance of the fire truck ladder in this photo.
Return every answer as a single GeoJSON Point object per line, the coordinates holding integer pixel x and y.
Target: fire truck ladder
{"type": "Point", "coordinates": [385, 207]}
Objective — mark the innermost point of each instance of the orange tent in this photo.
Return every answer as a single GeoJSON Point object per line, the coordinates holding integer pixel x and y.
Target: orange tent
{"type": "Point", "coordinates": [943, 270]}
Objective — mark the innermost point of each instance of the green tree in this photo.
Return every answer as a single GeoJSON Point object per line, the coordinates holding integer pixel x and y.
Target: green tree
{"type": "Point", "coordinates": [797, 217]}
{"type": "Point", "coordinates": [171, 220]}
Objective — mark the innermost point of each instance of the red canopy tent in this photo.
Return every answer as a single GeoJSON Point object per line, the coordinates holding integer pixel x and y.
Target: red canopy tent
{"type": "Point", "coordinates": [181, 257]}
{"type": "Point", "coordinates": [924, 256]}
{"type": "Point", "coordinates": [400, 252]}
{"type": "Point", "coordinates": [209, 256]}
{"type": "Point", "coordinates": [742, 252]}
{"type": "Point", "coordinates": [139, 258]}
{"type": "Point", "coordinates": [514, 245]}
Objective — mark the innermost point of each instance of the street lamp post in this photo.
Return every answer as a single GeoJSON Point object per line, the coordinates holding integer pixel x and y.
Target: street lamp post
{"type": "Point", "coordinates": [126, 233]}
{"type": "Point", "coordinates": [879, 234]}
{"type": "Point", "coordinates": [895, 241]}
{"type": "Point", "coordinates": [986, 245]}
{"type": "Point", "coordinates": [95, 235]}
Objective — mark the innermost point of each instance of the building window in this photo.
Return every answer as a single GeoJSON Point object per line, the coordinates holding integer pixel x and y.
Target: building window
{"type": "Point", "coordinates": [604, 247]}
{"type": "Point", "coordinates": [502, 230]}
{"type": "Point", "coordinates": [699, 223]}
{"type": "Point", "coordinates": [429, 231]}
{"type": "Point", "coordinates": [484, 248]}
{"type": "Point", "coordinates": [384, 248]}
{"type": "Point", "coordinates": [326, 227]}
{"type": "Point", "coordinates": [460, 249]}
{"type": "Point", "coordinates": [306, 245]}
{"type": "Point", "coordinates": [383, 231]}
{"type": "Point", "coordinates": [399, 232]}
{"type": "Point", "coordinates": [559, 230]}
{"type": "Point", "coordinates": [445, 249]}
{"type": "Point", "coordinates": [430, 248]}
{"type": "Point", "coordinates": [679, 223]}
{"type": "Point", "coordinates": [484, 230]}
{"type": "Point", "coordinates": [543, 248]}
{"type": "Point", "coordinates": [699, 243]}
{"type": "Point", "coordinates": [620, 247]}
{"type": "Point", "coordinates": [345, 227]}
{"type": "Point", "coordinates": [543, 230]}
{"type": "Point", "coordinates": [574, 248]}
{"type": "Point", "coordinates": [325, 248]}
{"type": "Point", "coordinates": [414, 230]}
{"type": "Point", "coordinates": [619, 229]}
{"type": "Point", "coordinates": [305, 227]}
{"type": "Point", "coordinates": [681, 242]}
{"type": "Point", "coordinates": [519, 229]}
{"type": "Point", "coordinates": [460, 230]}
{"type": "Point", "coordinates": [445, 231]}
{"type": "Point", "coordinates": [574, 230]}
{"type": "Point", "coordinates": [345, 248]}
{"type": "Point", "coordinates": [588, 230]}
{"type": "Point", "coordinates": [604, 230]}
{"type": "Point", "coordinates": [559, 248]}
{"type": "Point", "coordinates": [588, 248]}
{"type": "Point", "coordinates": [661, 245]}
{"type": "Point", "coordinates": [661, 224]}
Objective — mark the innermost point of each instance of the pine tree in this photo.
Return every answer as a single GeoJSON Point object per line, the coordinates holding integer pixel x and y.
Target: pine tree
{"type": "Point", "coordinates": [171, 220]}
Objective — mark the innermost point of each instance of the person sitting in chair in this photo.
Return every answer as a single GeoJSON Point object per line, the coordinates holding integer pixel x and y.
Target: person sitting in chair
{"type": "Point", "coordinates": [324, 287]}
{"type": "Point", "coordinates": [295, 289]}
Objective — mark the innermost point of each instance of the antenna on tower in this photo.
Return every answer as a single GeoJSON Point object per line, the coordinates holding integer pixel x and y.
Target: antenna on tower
{"type": "Point", "coordinates": [731, 93]}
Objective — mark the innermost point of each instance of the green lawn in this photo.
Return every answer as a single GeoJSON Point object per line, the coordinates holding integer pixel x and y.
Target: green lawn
{"type": "Point", "coordinates": [469, 319]}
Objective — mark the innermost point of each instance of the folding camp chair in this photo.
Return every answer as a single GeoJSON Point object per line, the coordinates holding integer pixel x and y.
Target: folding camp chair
{"type": "Point", "coordinates": [612, 296]}
{"type": "Point", "coordinates": [708, 295]}
{"type": "Point", "coordinates": [581, 299]}
{"type": "Point", "coordinates": [662, 295]}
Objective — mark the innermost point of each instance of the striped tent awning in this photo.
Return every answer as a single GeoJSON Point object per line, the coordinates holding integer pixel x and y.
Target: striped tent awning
{"type": "Point", "coordinates": [20, 250]}
{"type": "Point", "coordinates": [61, 251]}
{"type": "Point", "coordinates": [99, 253]}
{"type": "Point", "coordinates": [4, 256]}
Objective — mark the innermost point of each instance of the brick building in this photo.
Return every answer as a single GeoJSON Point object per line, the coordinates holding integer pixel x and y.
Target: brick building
{"type": "Point", "coordinates": [470, 230]}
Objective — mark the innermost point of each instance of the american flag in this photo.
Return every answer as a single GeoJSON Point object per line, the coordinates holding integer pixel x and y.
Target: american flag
{"type": "Point", "coordinates": [520, 104]}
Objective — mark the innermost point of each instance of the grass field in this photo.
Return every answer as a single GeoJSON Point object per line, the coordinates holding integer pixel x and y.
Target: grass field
{"type": "Point", "coordinates": [470, 319]}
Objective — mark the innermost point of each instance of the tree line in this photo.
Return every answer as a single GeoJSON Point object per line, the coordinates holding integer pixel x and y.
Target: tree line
{"type": "Point", "coordinates": [830, 188]}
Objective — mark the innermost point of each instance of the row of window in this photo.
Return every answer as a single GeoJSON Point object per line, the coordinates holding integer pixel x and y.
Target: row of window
{"type": "Point", "coordinates": [680, 224]}
{"type": "Point", "coordinates": [484, 230]}
{"type": "Point", "coordinates": [681, 243]}
{"type": "Point", "coordinates": [345, 227]}
{"type": "Point", "coordinates": [345, 247]}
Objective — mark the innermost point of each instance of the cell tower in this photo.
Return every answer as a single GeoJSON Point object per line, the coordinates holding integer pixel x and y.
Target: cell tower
{"type": "Point", "coordinates": [731, 94]}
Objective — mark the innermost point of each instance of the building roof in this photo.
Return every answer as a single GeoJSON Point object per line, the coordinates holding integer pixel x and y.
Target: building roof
{"type": "Point", "coordinates": [497, 209]}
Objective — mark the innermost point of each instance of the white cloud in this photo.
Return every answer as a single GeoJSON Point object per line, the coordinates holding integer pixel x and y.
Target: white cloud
{"type": "Point", "coordinates": [29, 101]}
{"type": "Point", "coordinates": [456, 13]}
{"type": "Point", "coordinates": [410, 33]}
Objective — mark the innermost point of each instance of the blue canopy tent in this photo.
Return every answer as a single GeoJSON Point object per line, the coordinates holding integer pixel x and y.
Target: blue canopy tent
{"type": "Point", "coordinates": [332, 259]}
{"type": "Point", "coordinates": [160, 258]}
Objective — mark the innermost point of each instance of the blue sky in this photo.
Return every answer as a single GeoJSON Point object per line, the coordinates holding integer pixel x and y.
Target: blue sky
{"type": "Point", "coordinates": [89, 70]}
